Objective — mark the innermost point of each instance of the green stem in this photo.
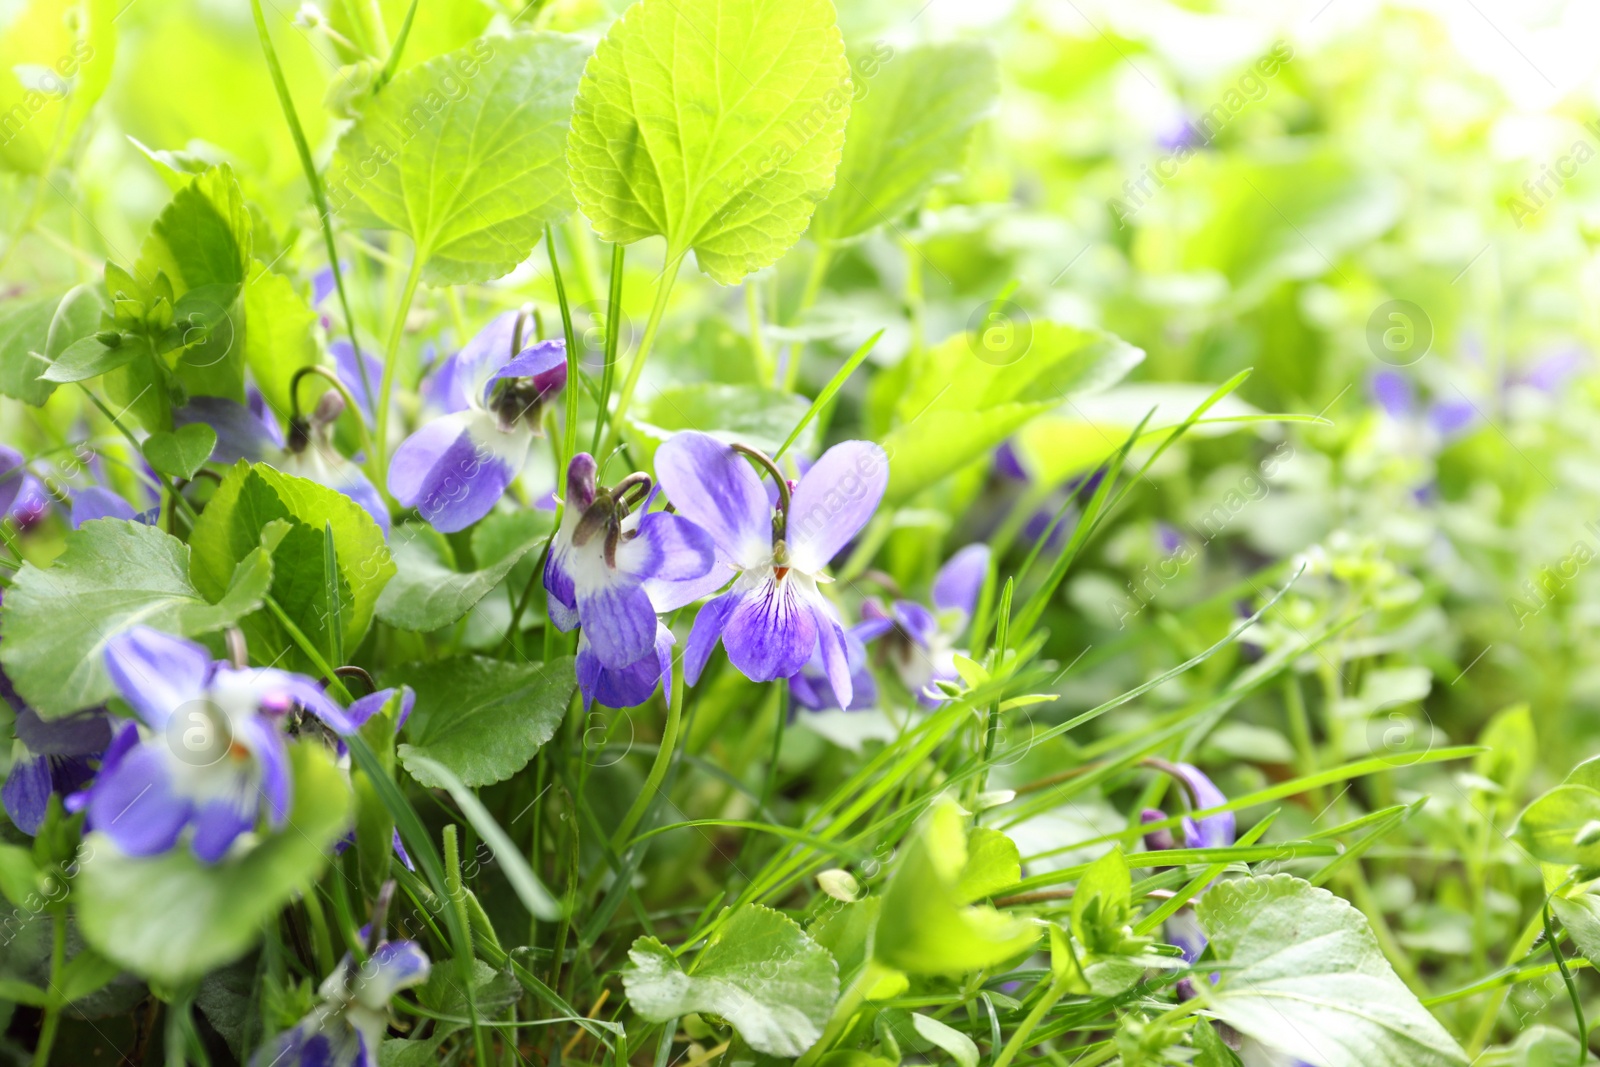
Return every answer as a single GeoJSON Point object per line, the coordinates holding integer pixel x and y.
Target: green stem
{"type": "Point", "coordinates": [569, 433]}
{"type": "Point", "coordinates": [319, 195]}
{"type": "Point", "coordinates": [850, 1002]}
{"type": "Point", "coordinates": [396, 330]}
{"type": "Point", "coordinates": [758, 341]}
{"type": "Point", "coordinates": [451, 847]}
{"type": "Point", "coordinates": [669, 274]}
{"type": "Point", "coordinates": [808, 297]}
{"type": "Point", "coordinates": [658, 769]}
{"type": "Point", "coordinates": [52, 1011]}
{"type": "Point", "coordinates": [1059, 988]}
{"type": "Point", "coordinates": [1569, 982]}
{"type": "Point", "coordinates": [608, 358]}
{"type": "Point", "coordinates": [1491, 1010]}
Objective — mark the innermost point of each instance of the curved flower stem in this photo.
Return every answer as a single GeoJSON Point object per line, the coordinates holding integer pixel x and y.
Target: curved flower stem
{"type": "Point", "coordinates": [320, 371]}
{"type": "Point", "coordinates": [658, 769]}
{"type": "Point", "coordinates": [777, 476]}
{"type": "Point", "coordinates": [397, 329]}
{"type": "Point", "coordinates": [669, 274]}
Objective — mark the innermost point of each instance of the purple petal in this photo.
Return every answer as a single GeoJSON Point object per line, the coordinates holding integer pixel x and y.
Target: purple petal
{"type": "Point", "coordinates": [395, 965]}
{"type": "Point", "coordinates": [456, 468]}
{"type": "Point", "coordinates": [265, 740]}
{"type": "Point", "coordinates": [217, 824]}
{"type": "Point", "coordinates": [85, 734]}
{"type": "Point", "coordinates": [279, 688]}
{"type": "Point", "coordinates": [96, 502]}
{"type": "Point", "coordinates": [1213, 831]}
{"type": "Point", "coordinates": [834, 501]}
{"type": "Point", "coordinates": [561, 601]}
{"type": "Point", "coordinates": [716, 488]}
{"type": "Point", "coordinates": [631, 685]}
{"type": "Point", "coordinates": [915, 621]}
{"type": "Point", "coordinates": [349, 372]}
{"type": "Point", "coordinates": [1392, 390]}
{"type": "Point", "coordinates": [708, 627]}
{"type": "Point", "coordinates": [369, 705]}
{"type": "Point", "coordinates": [462, 377]}
{"type": "Point", "coordinates": [1450, 417]}
{"type": "Point", "coordinates": [683, 551]}
{"type": "Point", "coordinates": [26, 794]}
{"type": "Point", "coordinates": [241, 433]}
{"type": "Point", "coordinates": [11, 475]}
{"type": "Point", "coordinates": [831, 647]}
{"type": "Point", "coordinates": [958, 583]}
{"type": "Point", "coordinates": [582, 471]}
{"type": "Point", "coordinates": [544, 361]}
{"type": "Point", "coordinates": [359, 488]}
{"type": "Point", "coordinates": [156, 673]}
{"type": "Point", "coordinates": [134, 804]}
{"type": "Point", "coordinates": [620, 622]}
{"type": "Point", "coordinates": [771, 634]}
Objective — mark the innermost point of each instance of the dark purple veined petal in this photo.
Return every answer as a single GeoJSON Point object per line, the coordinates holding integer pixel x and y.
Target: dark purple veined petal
{"type": "Point", "coordinates": [582, 471]}
{"type": "Point", "coordinates": [12, 472]}
{"type": "Point", "coordinates": [26, 794]}
{"type": "Point", "coordinates": [619, 621]}
{"type": "Point", "coordinates": [707, 631]}
{"type": "Point", "coordinates": [811, 689]}
{"type": "Point", "coordinates": [835, 499]}
{"type": "Point", "coordinates": [455, 469]}
{"type": "Point", "coordinates": [718, 490]}
{"type": "Point", "coordinates": [960, 580]}
{"type": "Point", "coordinates": [772, 633]}
{"type": "Point", "coordinates": [84, 734]}
{"type": "Point", "coordinates": [157, 673]}
{"type": "Point", "coordinates": [98, 502]}
{"type": "Point", "coordinates": [560, 587]}
{"type": "Point", "coordinates": [633, 684]}
{"type": "Point", "coordinates": [134, 804]}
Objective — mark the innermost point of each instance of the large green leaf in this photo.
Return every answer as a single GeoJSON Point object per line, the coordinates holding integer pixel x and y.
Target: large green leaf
{"type": "Point", "coordinates": [753, 415]}
{"type": "Point", "coordinates": [925, 926]}
{"type": "Point", "coordinates": [426, 593]}
{"type": "Point", "coordinates": [24, 330]}
{"type": "Point", "coordinates": [964, 401]}
{"type": "Point", "coordinates": [465, 154]}
{"type": "Point", "coordinates": [248, 499]}
{"type": "Point", "coordinates": [171, 918]}
{"type": "Point", "coordinates": [482, 718]}
{"type": "Point", "coordinates": [760, 971]}
{"type": "Point", "coordinates": [715, 125]}
{"type": "Point", "coordinates": [278, 336]}
{"type": "Point", "coordinates": [113, 575]}
{"type": "Point", "coordinates": [909, 127]}
{"type": "Point", "coordinates": [1302, 972]}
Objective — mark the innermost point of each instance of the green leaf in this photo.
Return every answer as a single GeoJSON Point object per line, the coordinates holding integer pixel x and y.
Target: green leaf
{"type": "Point", "coordinates": [19, 875]}
{"type": "Point", "coordinates": [1209, 1048]}
{"type": "Point", "coordinates": [993, 864]}
{"type": "Point", "coordinates": [1580, 915]}
{"type": "Point", "coordinates": [961, 1047]}
{"type": "Point", "coordinates": [1302, 973]}
{"type": "Point", "coordinates": [425, 594]}
{"type": "Point", "coordinates": [1510, 748]}
{"type": "Point", "coordinates": [248, 499]}
{"type": "Point", "coordinates": [760, 971]}
{"type": "Point", "coordinates": [909, 128]}
{"type": "Point", "coordinates": [1101, 902]}
{"type": "Point", "coordinates": [753, 415]}
{"type": "Point", "coordinates": [924, 927]}
{"type": "Point", "coordinates": [171, 918]}
{"type": "Point", "coordinates": [465, 154]}
{"type": "Point", "coordinates": [112, 575]}
{"type": "Point", "coordinates": [89, 357]}
{"type": "Point", "coordinates": [86, 973]}
{"type": "Point", "coordinates": [482, 718]}
{"type": "Point", "coordinates": [966, 400]}
{"type": "Point", "coordinates": [24, 330]}
{"type": "Point", "coordinates": [181, 452]}
{"type": "Point", "coordinates": [1560, 826]}
{"type": "Point", "coordinates": [723, 142]}
{"type": "Point", "coordinates": [279, 336]}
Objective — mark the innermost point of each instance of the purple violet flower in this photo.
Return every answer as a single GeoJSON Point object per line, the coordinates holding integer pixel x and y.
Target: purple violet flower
{"type": "Point", "coordinates": [456, 467]}
{"type": "Point", "coordinates": [774, 619]}
{"type": "Point", "coordinates": [311, 455]}
{"type": "Point", "coordinates": [12, 473]}
{"type": "Point", "coordinates": [346, 1027]}
{"type": "Point", "coordinates": [810, 688]}
{"type": "Point", "coordinates": [207, 750]}
{"type": "Point", "coordinates": [922, 647]}
{"type": "Point", "coordinates": [610, 570]}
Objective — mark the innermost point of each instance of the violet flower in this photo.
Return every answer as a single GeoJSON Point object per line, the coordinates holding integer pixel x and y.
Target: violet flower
{"type": "Point", "coordinates": [773, 619]}
{"type": "Point", "coordinates": [12, 472]}
{"type": "Point", "coordinates": [207, 750]}
{"type": "Point", "coordinates": [610, 570]}
{"type": "Point", "coordinates": [456, 467]}
{"type": "Point", "coordinates": [348, 1024]}
{"type": "Point", "coordinates": [310, 454]}
{"type": "Point", "coordinates": [810, 688]}
{"type": "Point", "coordinates": [922, 643]}
{"type": "Point", "coordinates": [1211, 831]}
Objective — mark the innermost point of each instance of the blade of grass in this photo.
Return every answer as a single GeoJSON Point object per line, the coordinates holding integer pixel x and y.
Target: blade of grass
{"type": "Point", "coordinates": [829, 391]}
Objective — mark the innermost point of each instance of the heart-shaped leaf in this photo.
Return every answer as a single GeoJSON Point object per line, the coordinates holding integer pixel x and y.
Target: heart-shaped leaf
{"type": "Point", "coordinates": [180, 453]}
